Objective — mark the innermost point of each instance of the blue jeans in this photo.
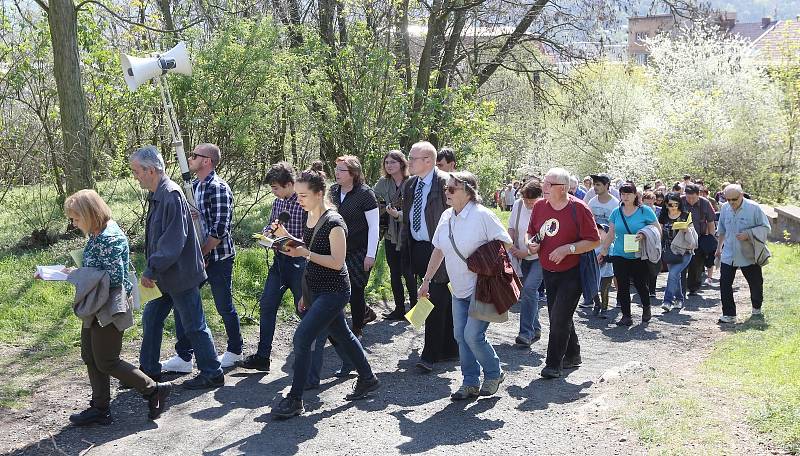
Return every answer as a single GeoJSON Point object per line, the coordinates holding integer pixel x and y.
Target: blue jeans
{"type": "Point", "coordinates": [529, 298]}
{"type": "Point", "coordinates": [474, 351]}
{"type": "Point", "coordinates": [284, 274]}
{"type": "Point", "coordinates": [220, 279]}
{"type": "Point", "coordinates": [325, 315]}
{"type": "Point", "coordinates": [674, 290]}
{"type": "Point", "coordinates": [189, 308]}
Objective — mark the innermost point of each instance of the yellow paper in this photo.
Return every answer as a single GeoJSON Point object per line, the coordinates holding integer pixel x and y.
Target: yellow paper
{"type": "Point", "coordinates": [630, 243]}
{"type": "Point", "coordinates": [77, 257]}
{"type": "Point", "coordinates": [417, 315]}
{"type": "Point", "coordinates": [148, 294]}
{"type": "Point", "coordinates": [682, 225]}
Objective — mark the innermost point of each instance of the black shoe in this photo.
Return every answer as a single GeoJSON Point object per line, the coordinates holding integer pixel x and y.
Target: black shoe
{"type": "Point", "coordinates": [203, 382]}
{"type": "Point", "coordinates": [289, 407]}
{"type": "Point", "coordinates": [571, 363]}
{"type": "Point", "coordinates": [255, 362]}
{"type": "Point", "coordinates": [596, 310]}
{"type": "Point", "coordinates": [625, 321]}
{"type": "Point", "coordinates": [157, 401]}
{"type": "Point", "coordinates": [394, 316]}
{"type": "Point", "coordinates": [646, 315]}
{"type": "Point", "coordinates": [92, 415]}
{"type": "Point", "coordinates": [550, 372]}
{"type": "Point", "coordinates": [369, 315]}
{"type": "Point", "coordinates": [537, 334]}
{"type": "Point", "coordinates": [424, 366]}
{"type": "Point", "coordinates": [362, 388]}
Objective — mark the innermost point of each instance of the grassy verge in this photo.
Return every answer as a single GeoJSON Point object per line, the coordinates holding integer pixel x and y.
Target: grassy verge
{"type": "Point", "coordinates": [760, 363]}
{"type": "Point", "coordinates": [756, 369]}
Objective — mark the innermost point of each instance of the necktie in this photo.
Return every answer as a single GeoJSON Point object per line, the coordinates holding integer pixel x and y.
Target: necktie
{"type": "Point", "coordinates": [416, 223]}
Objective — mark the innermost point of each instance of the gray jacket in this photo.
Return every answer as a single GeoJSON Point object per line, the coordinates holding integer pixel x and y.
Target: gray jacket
{"type": "Point", "coordinates": [685, 241]}
{"type": "Point", "coordinates": [650, 249]}
{"type": "Point", "coordinates": [95, 300]}
{"type": "Point", "coordinates": [174, 259]}
{"type": "Point", "coordinates": [756, 246]}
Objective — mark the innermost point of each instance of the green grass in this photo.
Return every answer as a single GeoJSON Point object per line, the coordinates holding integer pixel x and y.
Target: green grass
{"type": "Point", "coordinates": [761, 362]}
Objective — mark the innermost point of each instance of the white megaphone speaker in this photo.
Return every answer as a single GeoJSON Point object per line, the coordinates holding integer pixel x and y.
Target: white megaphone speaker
{"type": "Point", "coordinates": [138, 70]}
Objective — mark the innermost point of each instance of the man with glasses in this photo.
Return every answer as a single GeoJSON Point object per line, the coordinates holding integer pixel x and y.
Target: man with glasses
{"type": "Point", "coordinates": [424, 200]}
{"type": "Point", "coordinates": [743, 229]}
{"type": "Point", "coordinates": [215, 213]}
{"type": "Point", "coordinates": [561, 229]}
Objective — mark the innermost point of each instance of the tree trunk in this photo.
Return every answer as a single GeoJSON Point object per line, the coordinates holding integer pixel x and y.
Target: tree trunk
{"type": "Point", "coordinates": [78, 159]}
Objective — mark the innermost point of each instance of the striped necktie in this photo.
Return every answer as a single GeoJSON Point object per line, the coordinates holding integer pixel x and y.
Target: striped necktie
{"type": "Point", "coordinates": [416, 223]}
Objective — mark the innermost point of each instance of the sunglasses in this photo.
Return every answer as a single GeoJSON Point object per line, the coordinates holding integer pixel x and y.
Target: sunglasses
{"type": "Point", "coordinates": [673, 205]}
{"type": "Point", "coordinates": [193, 156]}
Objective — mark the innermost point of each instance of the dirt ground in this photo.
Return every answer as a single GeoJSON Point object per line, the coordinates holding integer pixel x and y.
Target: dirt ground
{"type": "Point", "coordinates": [411, 413]}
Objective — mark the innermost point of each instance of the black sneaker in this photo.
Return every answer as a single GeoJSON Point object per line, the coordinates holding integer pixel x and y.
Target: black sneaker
{"type": "Point", "coordinates": [92, 415]}
{"type": "Point", "coordinates": [157, 401]}
{"type": "Point", "coordinates": [369, 315]}
{"type": "Point", "coordinates": [255, 362]}
{"type": "Point", "coordinates": [203, 382]}
{"type": "Point", "coordinates": [362, 388]}
{"type": "Point", "coordinates": [571, 363]}
{"type": "Point", "coordinates": [394, 316]}
{"type": "Point", "coordinates": [424, 366]}
{"type": "Point", "coordinates": [596, 310]}
{"type": "Point", "coordinates": [550, 372]}
{"type": "Point", "coordinates": [625, 321]}
{"type": "Point", "coordinates": [646, 315]}
{"type": "Point", "coordinates": [289, 407]}
{"type": "Point", "coordinates": [537, 334]}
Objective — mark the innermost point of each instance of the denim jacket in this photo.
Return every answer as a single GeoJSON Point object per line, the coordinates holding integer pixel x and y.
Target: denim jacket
{"type": "Point", "coordinates": [174, 260]}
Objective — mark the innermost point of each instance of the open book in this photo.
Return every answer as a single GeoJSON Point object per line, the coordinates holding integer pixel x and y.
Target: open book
{"type": "Point", "coordinates": [279, 243]}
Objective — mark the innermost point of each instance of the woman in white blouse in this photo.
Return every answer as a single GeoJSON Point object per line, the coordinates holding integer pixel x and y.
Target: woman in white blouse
{"type": "Point", "coordinates": [467, 225]}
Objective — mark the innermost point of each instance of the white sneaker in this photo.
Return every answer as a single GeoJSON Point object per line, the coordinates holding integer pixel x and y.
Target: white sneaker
{"type": "Point", "coordinates": [176, 364]}
{"type": "Point", "coordinates": [228, 359]}
{"type": "Point", "coordinates": [756, 311]}
{"type": "Point", "coordinates": [677, 306]}
{"type": "Point", "coordinates": [666, 306]}
{"type": "Point", "coordinates": [727, 319]}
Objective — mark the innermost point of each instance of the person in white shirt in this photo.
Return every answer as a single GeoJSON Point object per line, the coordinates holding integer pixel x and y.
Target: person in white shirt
{"type": "Point", "coordinates": [592, 192]}
{"type": "Point", "coordinates": [509, 197]}
{"type": "Point", "coordinates": [467, 225]}
{"type": "Point", "coordinates": [526, 266]}
{"type": "Point", "coordinates": [603, 203]}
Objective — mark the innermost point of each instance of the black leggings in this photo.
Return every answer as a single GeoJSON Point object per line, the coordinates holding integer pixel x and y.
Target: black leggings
{"type": "Point", "coordinates": [398, 271]}
{"type": "Point", "coordinates": [624, 270]}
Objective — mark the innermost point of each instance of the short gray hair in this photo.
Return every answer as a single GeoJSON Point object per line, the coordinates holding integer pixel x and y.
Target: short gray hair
{"type": "Point", "coordinates": [560, 173]}
{"type": "Point", "coordinates": [733, 188]}
{"type": "Point", "coordinates": [149, 157]}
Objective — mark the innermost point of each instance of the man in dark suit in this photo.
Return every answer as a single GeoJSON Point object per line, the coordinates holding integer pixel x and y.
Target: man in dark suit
{"type": "Point", "coordinates": [424, 201]}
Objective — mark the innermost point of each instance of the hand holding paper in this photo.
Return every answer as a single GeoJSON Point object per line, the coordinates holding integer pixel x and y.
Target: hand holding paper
{"type": "Point", "coordinates": [419, 313]}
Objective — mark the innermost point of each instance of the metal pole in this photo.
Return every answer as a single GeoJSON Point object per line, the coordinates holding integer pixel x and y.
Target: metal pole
{"type": "Point", "coordinates": [177, 144]}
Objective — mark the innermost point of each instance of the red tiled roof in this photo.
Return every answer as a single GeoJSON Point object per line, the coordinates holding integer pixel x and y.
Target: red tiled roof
{"type": "Point", "coordinates": [773, 45]}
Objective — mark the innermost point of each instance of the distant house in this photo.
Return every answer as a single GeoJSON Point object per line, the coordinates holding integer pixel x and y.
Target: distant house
{"type": "Point", "coordinates": [780, 44]}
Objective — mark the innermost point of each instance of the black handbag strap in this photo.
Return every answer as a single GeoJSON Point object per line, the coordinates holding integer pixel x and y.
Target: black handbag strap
{"type": "Point", "coordinates": [622, 214]}
{"type": "Point", "coordinates": [453, 240]}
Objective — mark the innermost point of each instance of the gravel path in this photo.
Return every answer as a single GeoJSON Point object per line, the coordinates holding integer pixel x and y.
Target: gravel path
{"type": "Point", "coordinates": [412, 412]}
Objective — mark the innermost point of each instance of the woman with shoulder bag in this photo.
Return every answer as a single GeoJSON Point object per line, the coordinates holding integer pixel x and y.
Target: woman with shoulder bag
{"type": "Point", "coordinates": [626, 220]}
{"type": "Point", "coordinates": [462, 229]}
{"type": "Point", "coordinates": [325, 294]}
{"type": "Point", "coordinates": [674, 210]}
{"type": "Point", "coordinates": [105, 323]}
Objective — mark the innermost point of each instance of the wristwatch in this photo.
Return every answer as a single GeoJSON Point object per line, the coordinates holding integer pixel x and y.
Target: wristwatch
{"type": "Point", "coordinates": [572, 248]}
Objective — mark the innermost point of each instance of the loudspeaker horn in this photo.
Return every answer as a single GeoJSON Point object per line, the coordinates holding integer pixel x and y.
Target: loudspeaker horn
{"type": "Point", "coordinates": [138, 70]}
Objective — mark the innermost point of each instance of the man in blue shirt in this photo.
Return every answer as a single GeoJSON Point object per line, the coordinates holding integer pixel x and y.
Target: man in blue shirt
{"type": "Point", "coordinates": [743, 229]}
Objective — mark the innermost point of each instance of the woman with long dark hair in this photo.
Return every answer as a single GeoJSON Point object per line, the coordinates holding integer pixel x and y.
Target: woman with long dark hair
{"type": "Point", "coordinates": [326, 293]}
{"type": "Point", "coordinates": [674, 210]}
{"type": "Point", "coordinates": [388, 190]}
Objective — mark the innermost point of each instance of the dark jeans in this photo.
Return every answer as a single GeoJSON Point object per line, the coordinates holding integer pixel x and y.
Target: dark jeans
{"type": "Point", "coordinates": [399, 272]}
{"type": "Point", "coordinates": [100, 348]}
{"type": "Point", "coordinates": [440, 344]}
{"type": "Point", "coordinates": [220, 279]}
{"type": "Point", "coordinates": [752, 274]}
{"type": "Point", "coordinates": [285, 273]}
{"type": "Point", "coordinates": [563, 291]}
{"type": "Point", "coordinates": [189, 307]}
{"type": "Point", "coordinates": [692, 277]}
{"type": "Point", "coordinates": [626, 269]}
{"type": "Point", "coordinates": [325, 315]}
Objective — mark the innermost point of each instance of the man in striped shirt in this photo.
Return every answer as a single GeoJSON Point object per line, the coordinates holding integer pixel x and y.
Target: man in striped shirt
{"type": "Point", "coordinates": [285, 272]}
{"type": "Point", "coordinates": [215, 214]}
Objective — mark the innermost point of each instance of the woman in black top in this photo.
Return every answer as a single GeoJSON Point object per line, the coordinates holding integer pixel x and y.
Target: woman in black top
{"type": "Point", "coordinates": [358, 207]}
{"type": "Point", "coordinates": [674, 210]}
{"type": "Point", "coordinates": [328, 290]}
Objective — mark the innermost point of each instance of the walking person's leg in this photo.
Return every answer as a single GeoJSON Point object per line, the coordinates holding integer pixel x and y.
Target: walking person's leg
{"type": "Point", "coordinates": [640, 276]}
{"type": "Point", "coordinates": [622, 273]}
{"type": "Point", "coordinates": [470, 369]}
{"type": "Point", "coordinates": [153, 316]}
{"type": "Point", "coordinates": [394, 261]}
{"type": "Point", "coordinates": [755, 280]}
{"type": "Point", "coordinates": [220, 280]}
{"type": "Point", "coordinates": [726, 276]}
{"type": "Point", "coordinates": [189, 306]}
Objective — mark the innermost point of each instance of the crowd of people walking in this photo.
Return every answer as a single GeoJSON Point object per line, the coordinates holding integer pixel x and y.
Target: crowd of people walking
{"type": "Point", "coordinates": [567, 242]}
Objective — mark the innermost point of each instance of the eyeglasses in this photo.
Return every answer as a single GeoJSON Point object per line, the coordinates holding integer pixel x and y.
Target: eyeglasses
{"type": "Point", "coordinates": [450, 189]}
{"type": "Point", "coordinates": [412, 158]}
{"type": "Point", "coordinates": [673, 205]}
{"type": "Point", "coordinates": [193, 156]}
{"type": "Point", "coordinates": [550, 184]}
